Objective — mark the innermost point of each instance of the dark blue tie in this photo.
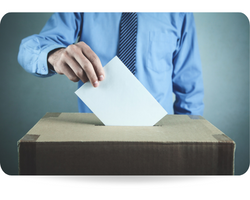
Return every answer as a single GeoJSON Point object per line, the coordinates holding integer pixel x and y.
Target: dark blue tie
{"type": "Point", "coordinates": [127, 42]}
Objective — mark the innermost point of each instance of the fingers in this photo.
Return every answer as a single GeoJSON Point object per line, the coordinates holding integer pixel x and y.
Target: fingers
{"type": "Point", "coordinates": [74, 69]}
{"type": "Point", "coordinates": [69, 73]}
{"type": "Point", "coordinates": [90, 63]}
{"type": "Point", "coordinates": [85, 67]}
{"type": "Point", "coordinates": [78, 62]}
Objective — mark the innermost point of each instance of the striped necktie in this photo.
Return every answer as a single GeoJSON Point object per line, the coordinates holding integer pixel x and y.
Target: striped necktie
{"type": "Point", "coordinates": [127, 42]}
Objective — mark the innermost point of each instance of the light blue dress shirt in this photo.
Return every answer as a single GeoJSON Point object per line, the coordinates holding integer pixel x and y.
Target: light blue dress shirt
{"type": "Point", "coordinates": [167, 54]}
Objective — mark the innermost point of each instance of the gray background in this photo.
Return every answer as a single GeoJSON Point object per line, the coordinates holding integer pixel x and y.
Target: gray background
{"type": "Point", "coordinates": [224, 47]}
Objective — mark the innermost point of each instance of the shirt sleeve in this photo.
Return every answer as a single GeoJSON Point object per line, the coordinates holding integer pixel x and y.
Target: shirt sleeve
{"type": "Point", "coordinates": [187, 73]}
{"type": "Point", "coordinates": [61, 30]}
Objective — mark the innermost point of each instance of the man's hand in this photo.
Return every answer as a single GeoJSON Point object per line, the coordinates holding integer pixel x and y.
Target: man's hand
{"type": "Point", "coordinates": [77, 62]}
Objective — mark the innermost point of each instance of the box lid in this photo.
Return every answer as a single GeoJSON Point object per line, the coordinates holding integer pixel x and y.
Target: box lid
{"type": "Point", "coordinates": [86, 127]}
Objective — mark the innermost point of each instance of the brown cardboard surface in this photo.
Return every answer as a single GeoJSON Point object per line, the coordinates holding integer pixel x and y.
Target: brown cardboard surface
{"type": "Point", "coordinates": [87, 127]}
{"type": "Point", "coordinates": [77, 143]}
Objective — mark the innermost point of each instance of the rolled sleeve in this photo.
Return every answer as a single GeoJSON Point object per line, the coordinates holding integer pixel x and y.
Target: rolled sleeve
{"type": "Point", "coordinates": [60, 31]}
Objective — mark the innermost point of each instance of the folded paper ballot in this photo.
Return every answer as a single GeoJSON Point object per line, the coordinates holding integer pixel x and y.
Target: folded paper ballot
{"type": "Point", "coordinates": [120, 99]}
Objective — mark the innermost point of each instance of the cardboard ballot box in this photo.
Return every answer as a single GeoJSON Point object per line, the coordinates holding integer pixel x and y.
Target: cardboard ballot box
{"type": "Point", "coordinates": [79, 144]}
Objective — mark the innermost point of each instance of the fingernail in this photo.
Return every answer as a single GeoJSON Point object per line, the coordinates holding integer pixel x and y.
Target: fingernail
{"type": "Point", "coordinates": [96, 83]}
{"type": "Point", "coordinates": [101, 77]}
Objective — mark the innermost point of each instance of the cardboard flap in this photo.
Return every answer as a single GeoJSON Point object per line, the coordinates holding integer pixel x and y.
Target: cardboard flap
{"type": "Point", "coordinates": [86, 127]}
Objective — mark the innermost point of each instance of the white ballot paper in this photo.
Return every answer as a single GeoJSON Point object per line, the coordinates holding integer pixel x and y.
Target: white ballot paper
{"type": "Point", "coordinates": [120, 99]}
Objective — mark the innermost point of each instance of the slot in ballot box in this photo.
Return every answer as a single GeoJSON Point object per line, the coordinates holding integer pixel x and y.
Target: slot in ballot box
{"type": "Point", "coordinates": [79, 144]}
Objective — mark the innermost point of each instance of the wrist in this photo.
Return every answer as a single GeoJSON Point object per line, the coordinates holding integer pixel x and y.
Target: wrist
{"type": "Point", "coordinates": [52, 57]}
